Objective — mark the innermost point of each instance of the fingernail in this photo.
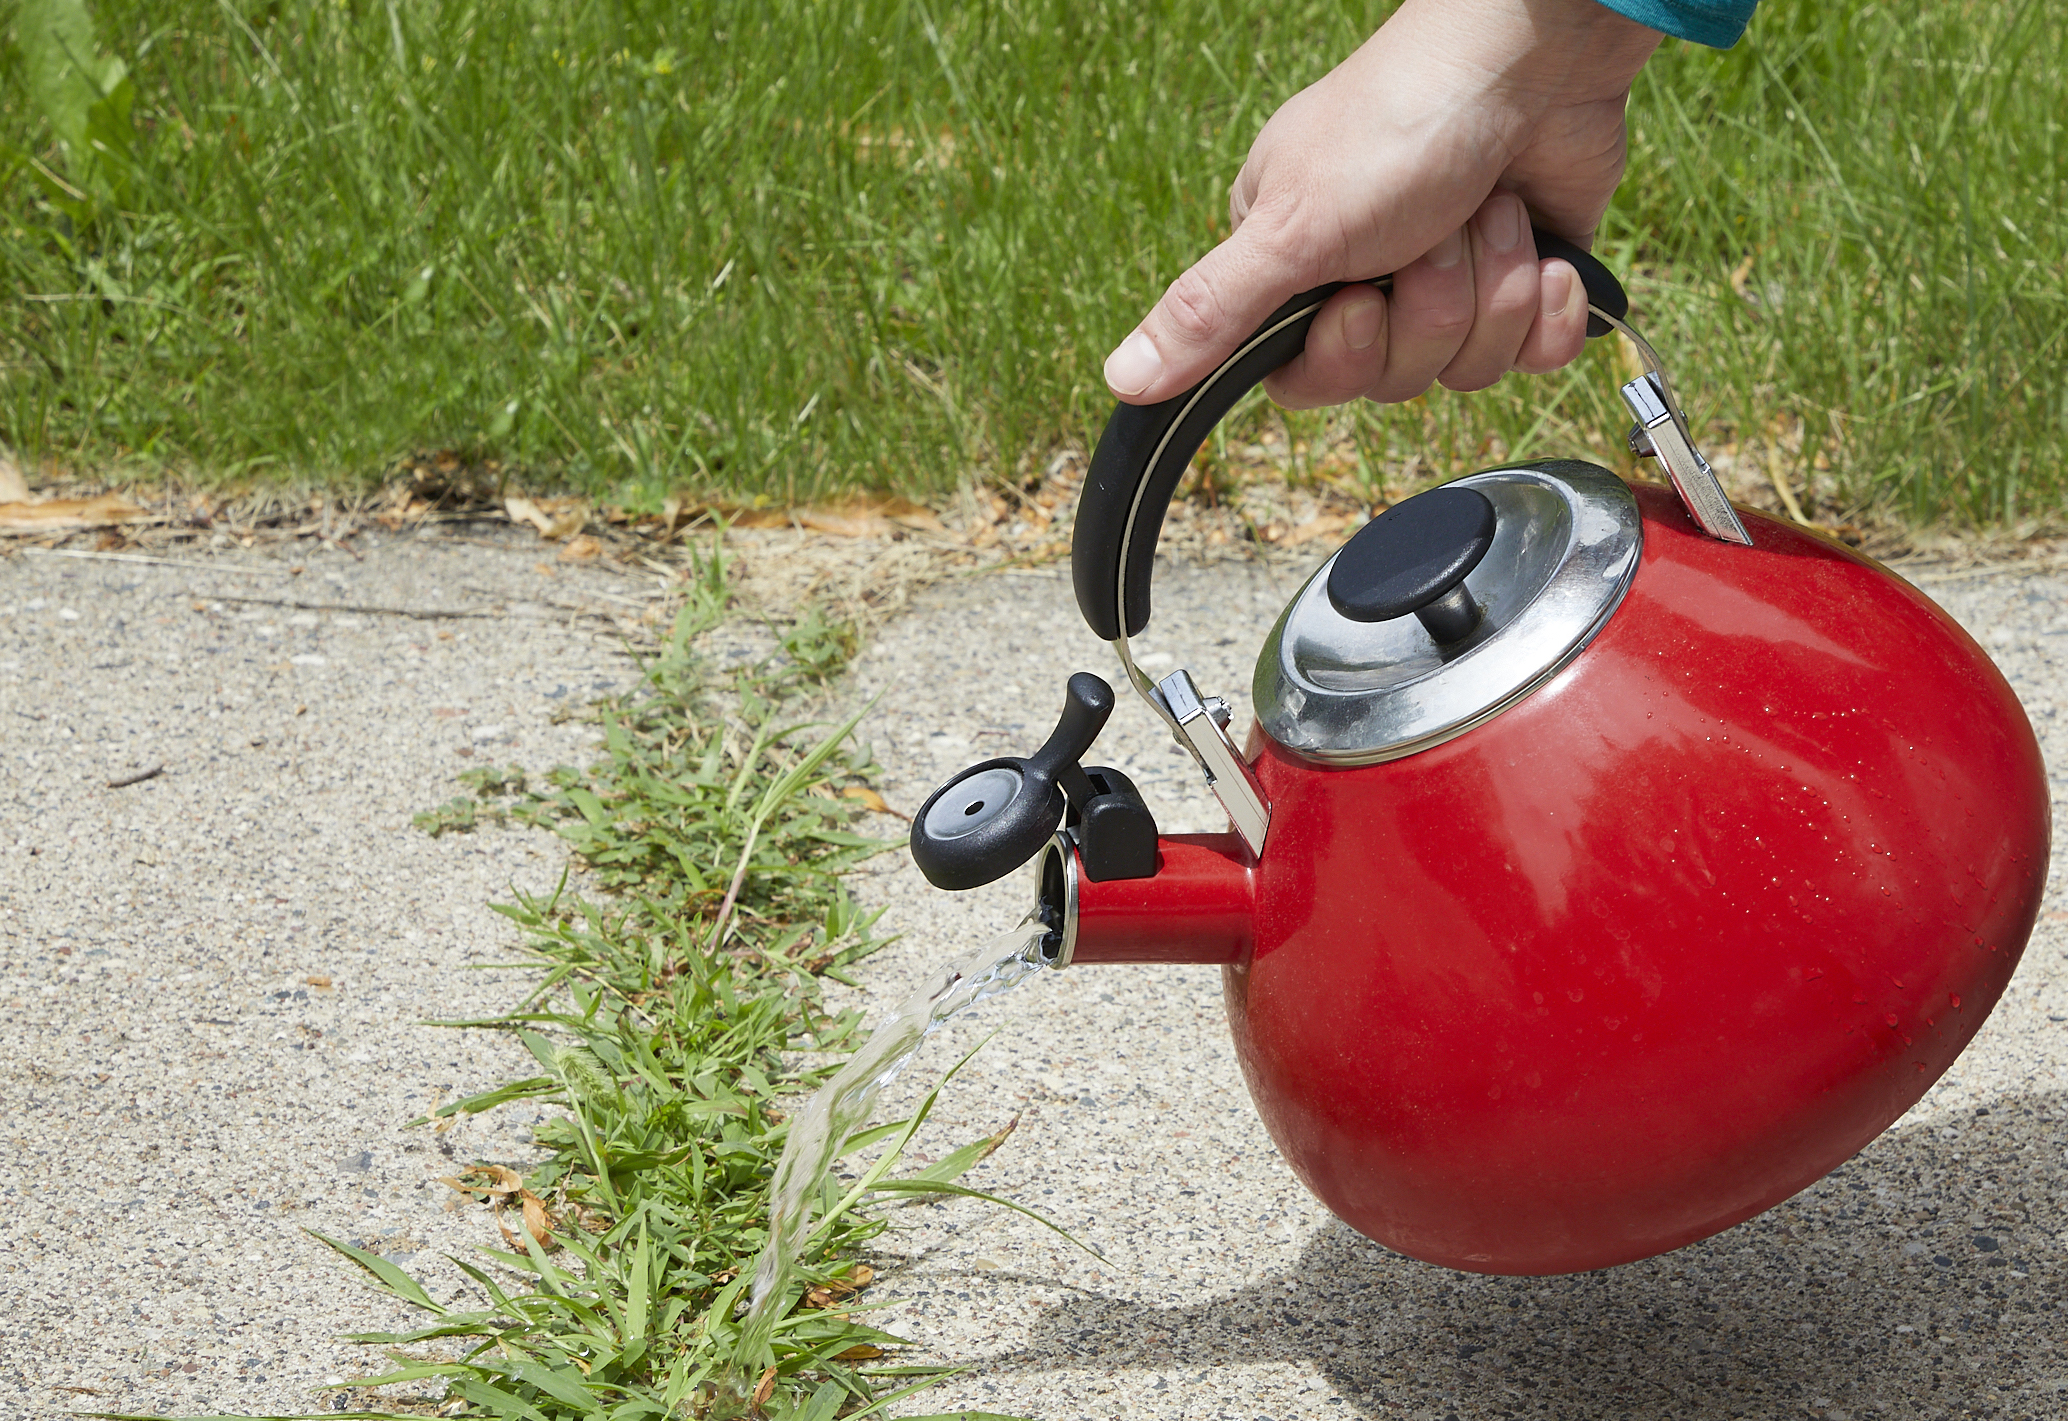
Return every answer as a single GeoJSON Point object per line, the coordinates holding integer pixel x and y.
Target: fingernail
{"type": "Point", "coordinates": [1448, 252]}
{"type": "Point", "coordinates": [1361, 322]}
{"type": "Point", "coordinates": [1501, 224]}
{"type": "Point", "coordinates": [1557, 292]}
{"type": "Point", "coordinates": [1135, 366]}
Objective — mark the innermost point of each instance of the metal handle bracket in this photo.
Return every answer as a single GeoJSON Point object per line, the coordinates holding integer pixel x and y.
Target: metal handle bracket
{"type": "Point", "coordinates": [1662, 432]}
{"type": "Point", "coordinates": [1205, 734]}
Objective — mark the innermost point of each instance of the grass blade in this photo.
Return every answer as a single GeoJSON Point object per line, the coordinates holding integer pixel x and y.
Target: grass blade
{"type": "Point", "coordinates": [391, 1278]}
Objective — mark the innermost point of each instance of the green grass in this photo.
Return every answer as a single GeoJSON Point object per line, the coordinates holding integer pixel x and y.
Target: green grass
{"type": "Point", "coordinates": [776, 249]}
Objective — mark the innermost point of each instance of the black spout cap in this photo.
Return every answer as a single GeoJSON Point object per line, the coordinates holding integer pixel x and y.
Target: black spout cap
{"type": "Point", "coordinates": [994, 816]}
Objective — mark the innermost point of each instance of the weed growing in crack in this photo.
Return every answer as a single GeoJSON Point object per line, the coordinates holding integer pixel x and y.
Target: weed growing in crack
{"type": "Point", "coordinates": [715, 838]}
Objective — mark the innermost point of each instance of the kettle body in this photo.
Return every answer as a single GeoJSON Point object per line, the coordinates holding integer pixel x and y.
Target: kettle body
{"type": "Point", "coordinates": [1657, 946]}
{"type": "Point", "coordinates": [1605, 865]}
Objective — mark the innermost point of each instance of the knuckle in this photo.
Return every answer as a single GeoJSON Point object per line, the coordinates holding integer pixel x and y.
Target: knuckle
{"type": "Point", "coordinates": [1277, 235]}
{"type": "Point", "coordinates": [1290, 395]}
{"type": "Point", "coordinates": [1446, 323]}
{"type": "Point", "coordinates": [1467, 381]}
{"type": "Point", "coordinates": [1437, 312]}
{"type": "Point", "coordinates": [1396, 390]}
{"type": "Point", "coordinates": [1312, 383]}
{"type": "Point", "coordinates": [1193, 307]}
{"type": "Point", "coordinates": [1514, 301]}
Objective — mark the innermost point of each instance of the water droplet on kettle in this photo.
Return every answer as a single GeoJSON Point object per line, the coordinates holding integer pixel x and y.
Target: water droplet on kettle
{"type": "Point", "coordinates": [1891, 1019]}
{"type": "Point", "coordinates": [1954, 997]}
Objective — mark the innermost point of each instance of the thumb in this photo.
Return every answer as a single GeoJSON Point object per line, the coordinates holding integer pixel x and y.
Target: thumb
{"type": "Point", "coordinates": [1204, 315]}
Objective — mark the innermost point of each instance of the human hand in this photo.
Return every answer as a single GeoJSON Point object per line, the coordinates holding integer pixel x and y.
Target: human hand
{"type": "Point", "coordinates": [1424, 154]}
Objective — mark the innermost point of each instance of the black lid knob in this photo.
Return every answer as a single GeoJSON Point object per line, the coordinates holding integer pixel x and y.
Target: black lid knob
{"type": "Point", "coordinates": [1413, 557]}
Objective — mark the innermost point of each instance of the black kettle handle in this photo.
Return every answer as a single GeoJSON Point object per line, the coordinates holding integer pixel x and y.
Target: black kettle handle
{"type": "Point", "coordinates": [1146, 448]}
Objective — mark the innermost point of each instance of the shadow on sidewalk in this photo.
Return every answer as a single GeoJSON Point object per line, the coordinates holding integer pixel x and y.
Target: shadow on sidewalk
{"type": "Point", "coordinates": [1917, 1279]}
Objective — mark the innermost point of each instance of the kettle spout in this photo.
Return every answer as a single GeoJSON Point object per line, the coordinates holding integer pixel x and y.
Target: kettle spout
{"type": "Point", "coordinates": [1195, 908]}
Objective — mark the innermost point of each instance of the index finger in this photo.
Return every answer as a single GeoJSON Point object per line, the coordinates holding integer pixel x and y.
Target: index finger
{"type": "Point", "coordinates": [1202, 317]}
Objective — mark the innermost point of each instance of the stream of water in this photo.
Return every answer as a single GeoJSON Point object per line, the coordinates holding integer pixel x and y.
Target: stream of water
{"type": "Point", "coordinates": [841, 1106]}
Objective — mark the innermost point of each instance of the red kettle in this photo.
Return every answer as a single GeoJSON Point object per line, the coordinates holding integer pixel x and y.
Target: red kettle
{"type": "Point", "coordinates": [1604, 866]}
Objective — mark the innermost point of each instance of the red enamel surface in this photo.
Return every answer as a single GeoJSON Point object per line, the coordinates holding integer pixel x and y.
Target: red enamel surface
{"type": "Point", "coordinates": [1662, 944]}
{"type": "Point", "coordinates": [1196, 909]}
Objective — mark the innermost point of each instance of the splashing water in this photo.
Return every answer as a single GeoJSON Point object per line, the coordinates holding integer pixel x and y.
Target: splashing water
{"type": "Point", "coordinates": [842, 1105]}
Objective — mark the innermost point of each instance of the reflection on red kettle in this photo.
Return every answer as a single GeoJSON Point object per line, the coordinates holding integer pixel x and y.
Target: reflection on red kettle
{"type": "Point", "coordinates": [1604, 866]}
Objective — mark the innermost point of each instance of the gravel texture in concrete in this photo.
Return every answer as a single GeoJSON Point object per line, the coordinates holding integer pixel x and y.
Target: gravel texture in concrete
{"type": "Point", "coordinates": [176, 1120]}
{"type": "Point", "coordinates": [213, 981]}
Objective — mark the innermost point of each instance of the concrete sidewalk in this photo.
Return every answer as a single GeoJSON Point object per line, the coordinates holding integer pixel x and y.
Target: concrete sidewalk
{"type": "Point", "coordinates": [211, 982]}
{"type": "Point", "coordinates": [182, 1100]}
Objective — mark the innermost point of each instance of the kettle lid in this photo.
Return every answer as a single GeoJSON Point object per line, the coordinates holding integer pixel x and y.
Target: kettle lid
{"type": "Point", "coordinates": [1447, 609]}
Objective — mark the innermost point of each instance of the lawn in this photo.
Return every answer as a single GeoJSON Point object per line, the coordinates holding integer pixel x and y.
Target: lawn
{"type": "Point", "coordinates": [775, 250]}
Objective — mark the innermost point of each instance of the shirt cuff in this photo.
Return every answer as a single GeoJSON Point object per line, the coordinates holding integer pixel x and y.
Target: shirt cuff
{"type": "Point", "coordinates": [1717, 25]}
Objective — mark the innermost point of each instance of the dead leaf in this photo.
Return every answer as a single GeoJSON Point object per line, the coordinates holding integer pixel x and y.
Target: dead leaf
{"type": "Point", "coordinates": [13, 487]}
{"type": "Point", "coordinates": [837, 1290]}
{"type": "Point", "coordinates": [496, 1180]}
{"type": "Point", "coordinates": [924, 519]}
{"type": "Point", "coordinates": [1739, 275]}
{"type": "Point", "coordinates": [842, 525]}
{"type": "Point", "coordinates": [764, 1389]}
{"type": "Point", "coordinates": [862, 1353]}
{"type": "Point", "coordinates": [70, 512]}
{"type": "Point", "coordinates": [555, 518]}
{"type": "Point", "coordinates": [869, 516]}
{"type": "Point", "coordinates": [1320, 527]}
{"type": "Point", "coordinates": [537, 1222]}
{"type": "Point", "coordinates": [317, 980]}
{"type": "Point", "coordinates": [581, 548]}
{"type": "Point", "coordinates": [869, 798]}
{"type": "Point", "coordinates": [676, 511]}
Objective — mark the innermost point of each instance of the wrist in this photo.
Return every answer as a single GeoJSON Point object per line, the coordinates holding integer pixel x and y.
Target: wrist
{"type": "Point", "coordinates": [1536, 54]}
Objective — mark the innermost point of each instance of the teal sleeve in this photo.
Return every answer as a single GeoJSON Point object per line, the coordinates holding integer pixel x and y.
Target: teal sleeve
{"type": "Point", "coordinates": [1717, 23]}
